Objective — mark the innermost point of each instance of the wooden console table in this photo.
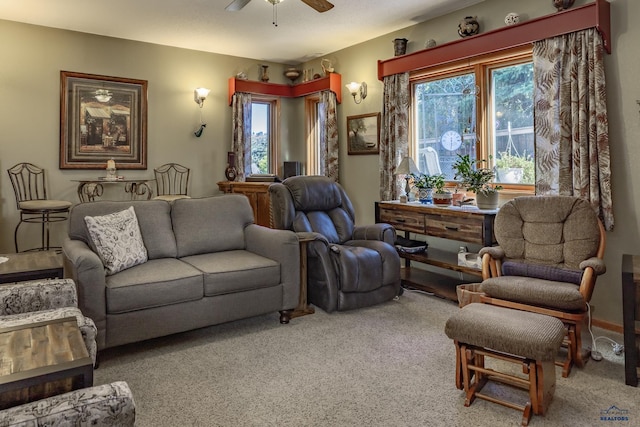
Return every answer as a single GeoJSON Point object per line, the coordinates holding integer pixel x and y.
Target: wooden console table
{"type": "Point", "coordinates": [453, 223]}
{"type": "Point", "coordinates": [631, 317]}
{"type": "Point", "coordinates": [258, 195]}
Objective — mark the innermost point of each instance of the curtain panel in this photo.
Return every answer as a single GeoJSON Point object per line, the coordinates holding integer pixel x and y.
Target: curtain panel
{"type": "Point", "coordinates": [571, 123]}
{"type": "Point", "coordinates": [241, 138]}
{"type": "Point", "coordinates": [329, 158]}
{"type": "Point", "coordinates": [394, 132]}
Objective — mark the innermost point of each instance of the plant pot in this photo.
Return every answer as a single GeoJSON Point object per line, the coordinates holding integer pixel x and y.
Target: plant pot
{"type": "Point", "coordinates": [425, 195]}
{"type": "Point", "coordinates": [442, 199]}
{"type": "Point", "coordinates": [456, 198]}
{"type": "Point", "coordinates": [488, 201]}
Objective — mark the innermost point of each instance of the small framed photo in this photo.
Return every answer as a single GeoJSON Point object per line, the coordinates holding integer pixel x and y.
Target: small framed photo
{"type": "Point", "coordinates": [102, 118]}
{"type": "Point", "coordinates": [363, 134]}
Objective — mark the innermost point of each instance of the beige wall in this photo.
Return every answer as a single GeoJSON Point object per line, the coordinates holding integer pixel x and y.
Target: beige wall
{"type": "Point", "coordinates": [29, 111]}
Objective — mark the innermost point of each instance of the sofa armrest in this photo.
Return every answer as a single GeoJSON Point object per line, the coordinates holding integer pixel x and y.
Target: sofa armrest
{"type": "Point", "coordinates": [37, 295]}
{"type": "Point", "coordinates": [380, 231]}
{"type": "Point", "coordinates": [281, 246]}
{"type": "Point", "coordinates": [103, 405]}
{"type": "Point", "coordinates": [86, 269]}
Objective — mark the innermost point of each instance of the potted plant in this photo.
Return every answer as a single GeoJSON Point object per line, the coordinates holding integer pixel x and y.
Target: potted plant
{"type": "Point", "coordinates": [478, 179]}
{"type": "Point", "coordinates": [512, 169]}
{"type": "Point", "coordinates": [425, 185]}
{"type": "Point", "coordinates": [441, 195]}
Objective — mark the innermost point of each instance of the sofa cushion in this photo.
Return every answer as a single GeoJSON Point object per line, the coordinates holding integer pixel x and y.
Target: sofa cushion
{"type": "Point", "coordinates": [211, 224]}
{"type": "Point", "coordinates": [152, 284]}
{"type": "Point", "coordinates": [235, 271]}
{"type": "Point", "coordinates": [117, 239]}
{"type": "Point", "coordinates": [359, 268]}
{"type": "Point", "coordinates": [153, 218]}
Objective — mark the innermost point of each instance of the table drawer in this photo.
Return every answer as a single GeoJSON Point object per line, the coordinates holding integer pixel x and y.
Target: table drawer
{"type": "Point", "coordinates": [465, 229]}
{"type": "Point", "coordinates": [403, 221]}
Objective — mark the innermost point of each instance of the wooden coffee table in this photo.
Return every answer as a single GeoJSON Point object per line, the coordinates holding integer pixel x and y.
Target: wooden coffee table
{"type": "Point", "coordinates": [31, 266]}
{"type": "Point", "coordinates": [42, 359]}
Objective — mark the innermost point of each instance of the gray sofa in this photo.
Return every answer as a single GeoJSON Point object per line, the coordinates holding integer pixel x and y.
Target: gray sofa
{"type": "Point", "coordinates": [208, 263]}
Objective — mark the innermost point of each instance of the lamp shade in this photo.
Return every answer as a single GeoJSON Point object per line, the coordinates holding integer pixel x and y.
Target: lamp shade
{"type": "Point", "coordinates": [407, 166]}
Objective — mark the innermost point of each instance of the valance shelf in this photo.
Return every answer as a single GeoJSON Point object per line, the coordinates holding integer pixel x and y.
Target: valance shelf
{"type": "Point", "coordinates": [332, 82]}
{"type": "Point", "coordinates": [596, 14]}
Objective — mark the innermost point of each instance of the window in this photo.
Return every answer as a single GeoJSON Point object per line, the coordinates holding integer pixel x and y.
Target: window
{"type": "Point", "coordinates": [263, 135]}
{"type": "Point", "coordinates": [482, 108]}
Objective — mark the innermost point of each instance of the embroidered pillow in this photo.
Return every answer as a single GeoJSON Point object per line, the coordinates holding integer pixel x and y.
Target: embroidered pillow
{"type": "Point", "coordinates": [117, 239]}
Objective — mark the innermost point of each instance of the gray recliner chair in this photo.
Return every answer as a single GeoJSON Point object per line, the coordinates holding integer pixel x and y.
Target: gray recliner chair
{"type": "Point", "coordinates": [349, 266]}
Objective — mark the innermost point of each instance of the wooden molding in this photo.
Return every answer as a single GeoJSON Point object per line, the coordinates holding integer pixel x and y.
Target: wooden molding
{"type": "Point", "coordinates": [596, 14]}
{"type": "Point", "coordinates": [333, 82]}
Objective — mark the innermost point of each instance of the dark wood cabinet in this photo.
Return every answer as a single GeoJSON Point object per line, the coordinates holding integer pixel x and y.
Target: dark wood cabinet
{"type": "Point", "coordinates": [258, 195]}
{"type": "Point", "coordinates": [458, 224]}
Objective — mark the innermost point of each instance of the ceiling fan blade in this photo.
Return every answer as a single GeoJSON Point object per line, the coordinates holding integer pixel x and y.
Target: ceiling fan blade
{"type": "Point", "coordinates": [236, 5]}
{"type": "Point", "coordinates": [319, 5]}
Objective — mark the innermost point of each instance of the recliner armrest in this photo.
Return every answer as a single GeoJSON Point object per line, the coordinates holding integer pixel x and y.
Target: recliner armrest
{"type": "Point", "coordinates": [380, 231]}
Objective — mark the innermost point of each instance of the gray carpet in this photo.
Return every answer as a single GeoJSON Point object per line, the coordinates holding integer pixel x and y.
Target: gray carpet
{"type": "Point", "coordinates": [389, 365]}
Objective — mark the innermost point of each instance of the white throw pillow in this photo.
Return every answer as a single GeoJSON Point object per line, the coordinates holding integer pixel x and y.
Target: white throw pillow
{"type": "Point", "coordinates": [118, 240]}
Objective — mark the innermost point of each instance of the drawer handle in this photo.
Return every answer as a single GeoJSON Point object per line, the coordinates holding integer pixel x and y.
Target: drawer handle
{"type": "Point", "coordinates": [400, 220]}
{"type": "Point", "coordinates": [451, 228]}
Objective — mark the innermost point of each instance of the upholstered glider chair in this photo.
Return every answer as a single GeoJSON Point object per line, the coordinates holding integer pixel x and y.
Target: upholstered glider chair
{"type": "Point", "coordinates": [349, 266]}
{"type": "Point", "coordinates": [172, 182]}
{"type": "Point", "coordinates": [102, 405]}
{"type": "Point", "coordinates": [549, 254]}
{"type": "Point", "coordinates": [23, 303]}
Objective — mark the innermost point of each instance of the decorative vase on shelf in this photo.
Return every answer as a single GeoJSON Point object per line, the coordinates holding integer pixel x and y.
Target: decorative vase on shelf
{"type": "Point", "coordinates": [561, 5]}
{"type": "Point", "coordinates": [468, 26]}
{"type": "Point", "coordinates": [264, 76]}
{"type": "Point", "coordinates": [425, 195]}
{"type": "Point", "coordinates": [512, 18]}
{"type": "Point", "coordinates": [399, 47]}
{"type": "Point", "coordinates": [230, 172]}
{"type": "Point", "coordinates": [292, 74]}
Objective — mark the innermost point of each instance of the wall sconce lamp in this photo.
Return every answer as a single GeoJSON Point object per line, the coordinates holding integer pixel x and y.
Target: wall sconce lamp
{"type": "Point", "coordinates": [199, 95]}
{"type": "Point", "coordinates": [357, 89]}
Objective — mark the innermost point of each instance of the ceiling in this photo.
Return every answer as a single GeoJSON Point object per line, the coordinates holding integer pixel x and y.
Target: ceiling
{"type": "Point", "coordinates": [301, 35]}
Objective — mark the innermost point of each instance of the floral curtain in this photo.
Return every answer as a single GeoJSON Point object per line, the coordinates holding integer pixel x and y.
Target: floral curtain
{"type": "Point", "coordinates": [571, 125]}
{"type": "Point", "coordinates": [394, 135]}
{"type": "Point", "coordinates": [329, 165]}
{"type": "Point", "coordinates": [241, 128]}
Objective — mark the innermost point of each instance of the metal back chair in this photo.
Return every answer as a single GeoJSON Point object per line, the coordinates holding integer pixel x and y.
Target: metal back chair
{"type": "Point", "coordinates": [30, 188]}
{"type": "Point", "coordinates": [172, 181]}
{"type": "Point", "coordinates": [550, 253]}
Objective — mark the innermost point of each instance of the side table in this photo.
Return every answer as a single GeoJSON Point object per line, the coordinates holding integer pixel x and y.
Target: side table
{"type": "Point", "coordinates": [42, 359]}
{"type": "Point", "coordinates": [303, 307]}
{"type": "Point", "coordinates": [31, 266]}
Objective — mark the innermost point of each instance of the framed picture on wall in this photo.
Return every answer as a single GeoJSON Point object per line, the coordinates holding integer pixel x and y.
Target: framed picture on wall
{"type": "Point", "coordinates": [363, 134]}
{"type": "Point", "coordinates": [102, 118]}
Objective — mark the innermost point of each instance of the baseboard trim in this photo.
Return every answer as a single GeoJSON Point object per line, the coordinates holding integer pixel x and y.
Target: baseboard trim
{"type": "Point", "coordinates": [610, 326]}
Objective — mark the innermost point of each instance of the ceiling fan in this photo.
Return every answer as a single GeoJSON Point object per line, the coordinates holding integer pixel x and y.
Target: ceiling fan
{"type": "Point", "coordinates": [319, 5]}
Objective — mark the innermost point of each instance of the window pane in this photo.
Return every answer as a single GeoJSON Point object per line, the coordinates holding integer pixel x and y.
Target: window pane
{"type": "Point", "coordinates": [445, 121]}
{"type": "Point", "coordinates": [513, 138]}
{"type": "Point", "coordinates": [260, 119]}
